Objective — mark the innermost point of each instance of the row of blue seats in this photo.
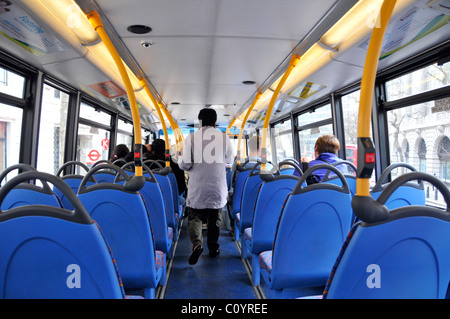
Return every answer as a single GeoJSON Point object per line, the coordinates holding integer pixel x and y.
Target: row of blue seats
{"type": "Point", "coordinates": [298, 235]}
{"type": "Point", "coordinates": [92, 229]}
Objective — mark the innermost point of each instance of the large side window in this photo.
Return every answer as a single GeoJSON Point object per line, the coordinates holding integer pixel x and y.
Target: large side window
{"type": "Point", "coordinates": [52, 129]}
{"type": "Point", "coordinates": [350, 111]}
{"type": "Point", "coordinates": [10, 135]}
{"type": "Point", "coordinates": [419, 132]}
{"type": "Point", "coordinates": [94, 132]}
{"type": "Point", "coordinates": [312, 125]}
{"type": "Point", "coordinates": [125, 134]}
{"type": "Point", "coordinates": [283, 140]}
{"type": "Point", "coordinates": [11, 116]}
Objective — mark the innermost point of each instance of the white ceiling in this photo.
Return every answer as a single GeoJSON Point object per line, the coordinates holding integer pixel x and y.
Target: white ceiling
{"type": "Point", "coordinates": [203, 49]}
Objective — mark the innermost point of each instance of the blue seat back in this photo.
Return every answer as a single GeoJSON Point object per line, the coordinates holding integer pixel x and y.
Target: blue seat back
{"type": "Point", "coordinates": [166, 188]}
{"type": "Point", "coordinates": [238, 189]}
{"type": "Point", "coordinates": [176, 199]}
{"type": "Point", "coordinates": [248, 200]}
{"type": "Point", "coordinates": [154, 203]}
{"type": "Point", "coordinates": [73, 180]}
{"type": "Point", "coordinates": [405, 195]}
{"type": "Point", "coordinates": [271, 198]}
{"type": "Point", "coordinates": [228, 175]}
{"type": "Point", "coordinates": [26, 193]}
{"type": "Point", "coordinates": [50, 252]}
{"type": "Point", "coordinates": [312, 228]}
{"type": "Point", "coordinates": [124, 221]}
{"type": "Point", "coordinates": [294, 166]}
{"type": "Point", "coordinates": [350, 176]}
{"type": "Point", "coordinates": [395, 253]}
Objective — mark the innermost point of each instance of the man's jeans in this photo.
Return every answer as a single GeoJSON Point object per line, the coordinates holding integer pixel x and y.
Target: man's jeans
{"type": "Point", "coordinates": [210, 216]}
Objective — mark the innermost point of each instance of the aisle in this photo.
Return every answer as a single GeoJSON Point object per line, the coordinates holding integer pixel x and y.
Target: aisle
{"type": "Point", "coordinates": [223, 277]}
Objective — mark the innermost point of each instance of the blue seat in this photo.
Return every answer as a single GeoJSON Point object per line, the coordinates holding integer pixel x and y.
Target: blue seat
{"type": "Point", "coordinates": [228, 174]}
{"type": "Point", "coordinates": [405, 195]}
{"type": "Point", "coordinates": [242, 174]}
{"type": "Point", "coordinates": [50, 252]}
{"type": "Point", "coordinates": [244, 217]}
{"type": "Point", "coordinates": [153, 199]}
{"type": "Point", "coordinates": [260, 236]}
{"type": "Point", "coordinates": [26, 193]}
{"type": "Point", "coordinates": [395, 253]}
{"type": "Point", "coordinates": [161, 174]}
{"type": "Point", "coordinates": [251, 197]}
{"type": "Point", "coordinates": [311, 230]}
{"type": "Point", "coordinates": [164, 182]}
{"type": "Point", "coordinates": [176, 199]}
{"type": "Point", "coordinates": [124, 220]}
{"type": "Point", "coordinates": [350, 176]}
{"type": "Point", "coordinates": [289, 170]}
{"type": "Point", "coordinates": [73, 180]}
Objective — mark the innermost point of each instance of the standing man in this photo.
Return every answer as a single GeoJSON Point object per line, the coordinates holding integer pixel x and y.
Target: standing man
{"type": "Point", "coordinates": [204, 156]}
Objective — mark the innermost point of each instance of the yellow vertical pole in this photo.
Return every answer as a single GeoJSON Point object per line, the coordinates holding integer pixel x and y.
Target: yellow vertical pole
{"type": "Point", "coordinates": [366, 150]}
{"type": "Point", "coordinates": [238, 157]}
{"type": "Point", "coordinates": [175, 128]}
{"type": "Point", "coordinates": [161, 118]}
{"type": "Point", "coordinates": [230, 126]}
{"type": "Point", "coordinates": [94, 19]}
{"type": "Point", "coordinates": [294, 60]}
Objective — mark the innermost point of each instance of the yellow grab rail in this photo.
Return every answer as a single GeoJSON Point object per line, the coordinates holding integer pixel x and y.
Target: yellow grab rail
{"type": "Point", "coordinates": [230, 126]}
{"type": "Point", "coordinates": [238, 155]}
{"type": "Point", "coordinates": [366, 150]}
{"type": "Point", "coordinates": [95, 20]}
{"type": "Point", "coordinates": [292, 63]}
{"type": "Point", "coordinates": [161, 118]}
{"type": "Point", "coordinates": [175, 128]}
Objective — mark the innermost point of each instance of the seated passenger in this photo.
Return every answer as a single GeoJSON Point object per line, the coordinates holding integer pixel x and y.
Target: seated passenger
{"type": "Point", "coordinates": [254, 144]}
{"type": "Point", "coordinates": [326, 149]}
{"type": "Point", "coordinates": [119, 152]}
{"type": "Point", "coordinates": [156, 151]}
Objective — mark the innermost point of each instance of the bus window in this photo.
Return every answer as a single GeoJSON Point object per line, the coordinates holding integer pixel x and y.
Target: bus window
{"type": "Point", "coordinates": [418, 133]}
{"type": "Point", "coordinates": [10, 135]}
{"type": "Point", "coordinates": [350, 109]}
{"type": "Point", "coordinates": [308, 139]}
{"type": "Point", "coordinates": [423, 80]}
{"type": "Point", "coordinates": [283, 140]}
{"type": "Point", "coordinates": [91, 144]}
{"type": "Point", "coordinates": [308, 132]}
{"type": "Point", "coordinates": [125, 134]}
{"type": "Point", "coordinates": [52, 129]}
{"type": "Point", "coordinates": [93, 137]}
{"type": "Point", "coordinates": [11, 83]}
{"type": "Point", "coordinates": [351, 154]}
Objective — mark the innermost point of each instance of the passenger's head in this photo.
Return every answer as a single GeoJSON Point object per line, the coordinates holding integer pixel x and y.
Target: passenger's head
{"type": "Point", "coordinates": [327, 144]}
{"type": "Point", "coordinates": [207, 117]}
{"type": "Point", "coordinates": [254, 143]}
{"type": "Point", "coordinates": [159, 146]}
{"type": "Point", "coordinates": [120, 151]}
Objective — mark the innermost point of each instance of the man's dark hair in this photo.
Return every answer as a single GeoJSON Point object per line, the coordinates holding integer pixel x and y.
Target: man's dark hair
{"type": "Point", "coordinates": [159, 146]}
{"type": "Point", "coordinates": [207, 117]}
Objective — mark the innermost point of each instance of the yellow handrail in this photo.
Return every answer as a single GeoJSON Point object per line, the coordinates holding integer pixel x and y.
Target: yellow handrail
{"type": "Point", "coordinates": [175, 128]}
{"type": "Point", "coordinates": [366, 151]}
{"type": "Point", "coordinates": [161, 118]}
{"type": "Point", "coordinates": [95, 20]}
{"type": "Point", "coordinates": [238, 155]}
{"type": "Point", "coordinates": [294, 60]}
{"type": "Point", "coordinates": [230, 126]}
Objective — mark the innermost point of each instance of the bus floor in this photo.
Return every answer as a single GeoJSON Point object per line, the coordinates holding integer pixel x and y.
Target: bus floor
{"type": "Point", "coordinates": [226, 276]}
